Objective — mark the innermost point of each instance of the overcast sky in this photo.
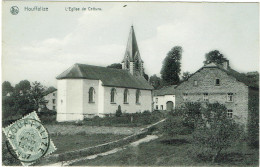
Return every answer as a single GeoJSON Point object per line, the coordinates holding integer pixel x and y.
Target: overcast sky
{"type": "Point", "coordinates": [38, 46]}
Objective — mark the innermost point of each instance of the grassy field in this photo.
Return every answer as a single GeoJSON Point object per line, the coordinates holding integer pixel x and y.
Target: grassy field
{"type": "Point", "coordinates": [174, 152]}
{"type": "Point", "coordinates": [60, 129]}
{"type": "Point", "coordinates": [65, 143]}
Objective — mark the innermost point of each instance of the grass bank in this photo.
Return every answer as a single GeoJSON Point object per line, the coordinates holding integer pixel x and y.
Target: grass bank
{"type": "Point", "coordinates": [173, 152]}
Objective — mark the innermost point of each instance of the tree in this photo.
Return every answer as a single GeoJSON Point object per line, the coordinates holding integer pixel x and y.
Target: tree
{"type": "Point", "coordinates": [6, 88]}
{"type": "Point", "coordinates": [155, 81]}
{"type": "Point", "coordinates": [22, 87]}
{"type": "Point", "coordinates": [172, 66]}
{"type": "Point", "coordinates": [186, 75]}
{"type": "Point", "coordinates": [115, 65]}
{"type": "Point", "coordinates": [215, 132]}
{"type": "Point", "coordinates": [214, 57]}
{"type": "Point", "coordinates": [37, 92]}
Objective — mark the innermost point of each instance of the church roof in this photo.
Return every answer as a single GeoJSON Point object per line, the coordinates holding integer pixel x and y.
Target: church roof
{"type": "Point", "coordinates": [109, 76]}
{"type": "Point", "coordinates": [132, 48]}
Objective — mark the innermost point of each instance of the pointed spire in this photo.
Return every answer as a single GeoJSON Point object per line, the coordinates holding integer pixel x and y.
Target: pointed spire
{"type": "Point", "coordinates": [132, 47]}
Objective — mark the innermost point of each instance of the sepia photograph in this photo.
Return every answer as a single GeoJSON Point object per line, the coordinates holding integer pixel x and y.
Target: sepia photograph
{"type": "Point", "coordinates": [130, 83]}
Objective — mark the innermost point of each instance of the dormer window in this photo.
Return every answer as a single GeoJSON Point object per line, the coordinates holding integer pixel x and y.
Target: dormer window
{"type": "Point", "coordinates": [217, 83]}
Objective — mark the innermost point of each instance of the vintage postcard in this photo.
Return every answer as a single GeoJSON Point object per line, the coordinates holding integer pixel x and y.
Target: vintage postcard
{"type": "Point", "coordinates": [130, 83]}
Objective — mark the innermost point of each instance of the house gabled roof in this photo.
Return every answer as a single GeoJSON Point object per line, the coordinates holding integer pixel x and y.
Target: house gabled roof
{"type": "Point", "coordinates": [132, 50]}
{"type": "Point", "coordinates": [238, 76]}
{"type": "Point", "coordinates": [168, 90]}
{"type": "Point", "coordinates": [48, 92]}
{"type": "Point", "coordinates": [109, 76]}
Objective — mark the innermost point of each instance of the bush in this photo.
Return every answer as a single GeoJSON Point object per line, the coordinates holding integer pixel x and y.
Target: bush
{"type": "Point", "coordinates": [175, 124]}
{"type": "Point", "coordinates": [192, 112]}
{"type": "Point", "coordinates": [118, 112]}
{"type": "Point", "coordinates": [215, 131]}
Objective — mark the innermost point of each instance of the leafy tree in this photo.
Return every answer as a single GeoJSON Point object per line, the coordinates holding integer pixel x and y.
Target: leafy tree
{"type": "Point", "coordinates": [172, 66]}
{"type": "Point", "coordinates": [155, 81]}
{"type": "Point", "coordinates": [115, 65]}
{"type": "Point", "coordinates": [24, 99]}
{"type": "Point", "coordinates": [6, 88]}
{"type": "Point", "coordinates": [186, 75]}
{"type": "Point", "coordinates": [215, 132]}
{"type": "Point", "coordinates": [22, 87]}
{"type": "Point", "coordinates": [214, 57]}
{"type": "Point", "coordinates": [37, 95]}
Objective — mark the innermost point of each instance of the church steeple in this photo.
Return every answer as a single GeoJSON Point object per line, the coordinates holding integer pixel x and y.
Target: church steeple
{"type": "Point", "coordinates": [132, 60]}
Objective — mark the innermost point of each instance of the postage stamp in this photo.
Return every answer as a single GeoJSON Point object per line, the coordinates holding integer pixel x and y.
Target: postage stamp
{"type": "Point", "coordinates": [29, 139]}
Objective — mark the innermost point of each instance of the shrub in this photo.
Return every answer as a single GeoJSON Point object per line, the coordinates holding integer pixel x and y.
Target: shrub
{"type": "Point", "coordinates": [146, 112]}
{"type": "Point", "coordinates": [175, 124]}
{"type": "Point", "coordinates": [215, 131]}
{"type": "Point", "coordinates": [118, 111]}
{"type": "Point", "coordinates": [191, 113]}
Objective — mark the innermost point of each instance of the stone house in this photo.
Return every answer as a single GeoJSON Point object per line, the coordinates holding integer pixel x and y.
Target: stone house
{"type": "Point", "coordinates": [215, 83]}
{"type": "Point", "coordinates": [164, 98]}
{"type": "Point", "coordinates": [87, 91]}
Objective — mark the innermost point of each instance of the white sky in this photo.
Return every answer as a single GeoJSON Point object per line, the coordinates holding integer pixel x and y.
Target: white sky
{"type": "Point", "coordinates": [38, 46]}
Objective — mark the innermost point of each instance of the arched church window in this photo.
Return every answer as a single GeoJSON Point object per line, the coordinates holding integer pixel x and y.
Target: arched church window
{"type": "Point", "coordinates": [137, 97]}
{"type": "Point", "coordinates": [126, 94]}
{"type": "Point", "coordinates": [112, 95]}
{"type": "Point", "coordinates": [91, 95]}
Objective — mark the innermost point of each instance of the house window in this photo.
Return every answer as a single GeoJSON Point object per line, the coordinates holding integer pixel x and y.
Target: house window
{"type": "Point", "coordinates": [217, 82]}
{"type": "Point", "coordinates": [156, 107]}
{"type": "Point", "coordinates": [112, 95]}
{"type": "Point", "coordinates": [229, 113]}
{"type": "Point", "coordinates": [137, 97]}
{"type": "Point", "coordinates": [195, 83]}
{"type": "Point", "coordinates": [230, 97]}
{"type": "Point", "coordinates": [205, 97]}
{"type": "Point", "coordinates": [185, 95]}
{"type": "Point", "coordinates": [53, 94]}
{"type": "Point", "coordinates": [156, 100]}
{"type": "Point", "coordinates": [126, 94]}
{"type": "Point", "coordinates": [53, 101]}
{"type": "Point", "coordinates": [54, 108]}
{"type": "Point", "coordinates": [91, 95]}
{"type": "Point", "coordinates": [161, 107]}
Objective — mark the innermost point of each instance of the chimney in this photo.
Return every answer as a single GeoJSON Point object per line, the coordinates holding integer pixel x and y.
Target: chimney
{"type": "Point", "coordinates": [225, 64]}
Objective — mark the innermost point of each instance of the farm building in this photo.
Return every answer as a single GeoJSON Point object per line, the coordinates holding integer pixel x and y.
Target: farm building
{"type": "Point", "coordinates": [219, 83]}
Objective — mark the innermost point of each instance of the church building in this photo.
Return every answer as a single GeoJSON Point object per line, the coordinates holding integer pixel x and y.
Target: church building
{"type": "Point", "coordinates": [87, 90]}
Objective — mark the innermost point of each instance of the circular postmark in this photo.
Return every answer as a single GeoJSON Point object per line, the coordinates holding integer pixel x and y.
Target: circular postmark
{"type": "Point", "coordinates": [14, 10]}
{"type": "Point", "coordinates": [29, 140]}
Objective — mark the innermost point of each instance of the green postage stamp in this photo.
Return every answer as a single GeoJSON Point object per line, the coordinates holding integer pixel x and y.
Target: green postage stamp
{"type": "Point", "coordinates": [29, 139]}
